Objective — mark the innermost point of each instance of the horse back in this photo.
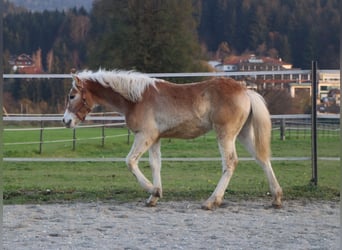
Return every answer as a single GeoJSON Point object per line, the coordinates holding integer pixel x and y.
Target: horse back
{"type": "Point", "coordinates": [189, 110]}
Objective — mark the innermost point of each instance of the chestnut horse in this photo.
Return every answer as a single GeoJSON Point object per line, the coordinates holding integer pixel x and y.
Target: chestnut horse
{"type": "Point", "coordinates": [156, 109]}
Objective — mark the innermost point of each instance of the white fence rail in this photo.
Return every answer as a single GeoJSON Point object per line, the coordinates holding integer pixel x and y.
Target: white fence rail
{"type": "Point", "coordinates": [296, 125]}
{"type": "Point", "coordinates": [165, 75]}
{"type": "Point", "coordinates": [112, 116]}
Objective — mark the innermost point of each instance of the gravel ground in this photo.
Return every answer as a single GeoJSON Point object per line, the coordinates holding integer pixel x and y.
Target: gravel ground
{"type": "Point", "coordinates": [172, 225]}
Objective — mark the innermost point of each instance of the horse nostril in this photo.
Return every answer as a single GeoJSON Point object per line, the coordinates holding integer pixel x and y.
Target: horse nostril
{"type": "Point", "coordinates": [66, 123]}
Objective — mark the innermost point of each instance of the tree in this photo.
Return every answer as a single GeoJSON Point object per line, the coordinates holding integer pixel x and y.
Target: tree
{"type": "Point", "coordinates": [300, 30]}
{"type": "Point", "coordinates": [149, 36]}
{"type": "Point", "coordinates": [223, 51]}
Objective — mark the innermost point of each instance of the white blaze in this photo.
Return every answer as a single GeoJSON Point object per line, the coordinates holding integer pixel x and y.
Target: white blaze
{"type": "Point", "coordinates": [69, 119]}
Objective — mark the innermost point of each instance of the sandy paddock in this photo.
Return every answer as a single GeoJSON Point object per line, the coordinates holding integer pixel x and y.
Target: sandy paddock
{"type": "Point", "coordinates": [172, 225]}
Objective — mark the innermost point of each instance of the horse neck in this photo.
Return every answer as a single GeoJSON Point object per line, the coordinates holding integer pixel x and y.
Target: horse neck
{"type": "Point", "coordinates": [107, 97]}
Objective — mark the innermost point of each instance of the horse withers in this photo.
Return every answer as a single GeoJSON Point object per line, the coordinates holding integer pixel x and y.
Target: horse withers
{"type": "Point", "coordinates": [155, 109]}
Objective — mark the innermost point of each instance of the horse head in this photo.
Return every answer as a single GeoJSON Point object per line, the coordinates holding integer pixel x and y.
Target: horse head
{"type": "Point", "coordinates": [79, 103]}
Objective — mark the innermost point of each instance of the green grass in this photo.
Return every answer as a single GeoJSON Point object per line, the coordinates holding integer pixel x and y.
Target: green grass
{"type": "Point", "coordinates": [29, 182]}
{"type": "Point", "coordinates": [40, 182]}
{"type": "Point", "coordinates": [116, 145]}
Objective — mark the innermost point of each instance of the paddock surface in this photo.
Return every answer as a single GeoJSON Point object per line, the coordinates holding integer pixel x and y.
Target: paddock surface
{"type": "Point", "coordinates": [172, 225]}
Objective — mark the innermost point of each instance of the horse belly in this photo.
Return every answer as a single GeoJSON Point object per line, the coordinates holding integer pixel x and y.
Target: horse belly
{"type": "Point", "coordinates": [186, 130]}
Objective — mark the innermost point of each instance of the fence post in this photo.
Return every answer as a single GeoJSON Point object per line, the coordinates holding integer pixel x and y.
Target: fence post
{"type": "Point", "coordinates": [282, 129]}
{"type": "Point", "coordinates": [73, 139]}
{"type": "Point", "coordinates": [1, 116]}
{"type": "Point", "coordinates": [314, 123]}
{"type": "Point", "coordinates": [128, 136]}
{"type": "Point", "coordinates": [41, 137]}
{"type": "Point", "coordinates": [103, 133]}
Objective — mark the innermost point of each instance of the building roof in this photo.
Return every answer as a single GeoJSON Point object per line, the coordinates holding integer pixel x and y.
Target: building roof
{"type": "Point", "coordinates": [251, 58]}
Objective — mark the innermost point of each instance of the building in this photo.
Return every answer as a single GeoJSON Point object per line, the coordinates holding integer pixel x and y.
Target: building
{"type": "Point", "coordinates": [266, 66]}
{"type": "Point", "coordinates": [25, 64]}
{"type": "Point", "coordinates": [250, 63]}
{"type": "Point", "coordinates": [328, 81]}
{"type": "Point", "coordinates": [290, 78]}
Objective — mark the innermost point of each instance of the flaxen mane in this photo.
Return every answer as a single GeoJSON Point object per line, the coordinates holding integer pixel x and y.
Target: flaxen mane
{"type": "Point", "coordinates": [129, 84]}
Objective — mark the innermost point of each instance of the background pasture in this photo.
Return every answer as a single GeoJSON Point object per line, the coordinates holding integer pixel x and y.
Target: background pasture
{"type": "Point", "coordinates": [109, 179]}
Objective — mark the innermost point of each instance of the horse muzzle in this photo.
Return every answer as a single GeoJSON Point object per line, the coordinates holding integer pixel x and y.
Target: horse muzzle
{"type": "Point", "coordinates": [67, 123]}
{"type": "Point", "coordinates": [69, 120]}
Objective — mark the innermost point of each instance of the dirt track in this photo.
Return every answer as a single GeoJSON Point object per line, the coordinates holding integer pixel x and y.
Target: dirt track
{"type": "Point", "coordinates": [172, 225]}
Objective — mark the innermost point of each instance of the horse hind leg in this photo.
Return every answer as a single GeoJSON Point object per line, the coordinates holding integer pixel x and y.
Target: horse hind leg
{"type": "Point", "coordinates": [275, 188]}
{"type": "Point", "coordinates": [155, 164]}
{"type": "Point", "coordinates": [229, 163]}
{"type": "Point", "coordinates": [246, 137]}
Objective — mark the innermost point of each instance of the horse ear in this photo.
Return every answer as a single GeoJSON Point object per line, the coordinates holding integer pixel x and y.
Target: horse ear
{"type": "Point", "coordinates": [77, 82]}
{"type": "Point", "coordinates": [72, 71]}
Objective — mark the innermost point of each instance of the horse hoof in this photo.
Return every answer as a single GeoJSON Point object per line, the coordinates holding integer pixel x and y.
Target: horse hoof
{"type": "Point", "coordinates": [211, 205]}
{"type": "Point", "coordinates": [151, 201]}
{"type": "Point", "coordinates": [277, 205]}
{"type": "Point", "coordinates": [157, 192]}
{"type": "Point", "coordinates": [207, 207]}
{"type": "Point", "coordinates": [150, 204]}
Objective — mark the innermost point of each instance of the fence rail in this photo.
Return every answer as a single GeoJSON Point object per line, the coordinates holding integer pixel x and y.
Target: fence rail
{"type": "Point", "coordinates": [289, 126]}
{"type": "Point", "coordinates": [144, 159]}
{"type": "Point", "coordinates": [298, 126]}
{"type": "Point", "coordinates": [113, 116]}
{"type": "Point", "coordinates": [195, 74]}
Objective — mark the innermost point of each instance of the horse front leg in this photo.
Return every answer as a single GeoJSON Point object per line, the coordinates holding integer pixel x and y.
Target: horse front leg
{"type": "Point", "coordinates": [155, 164]}
{"type": "Point", "coordinates": [140, 146]}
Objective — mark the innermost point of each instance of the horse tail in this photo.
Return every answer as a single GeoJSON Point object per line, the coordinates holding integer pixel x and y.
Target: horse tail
{"type": "Point", "coordinates": [260, 121]}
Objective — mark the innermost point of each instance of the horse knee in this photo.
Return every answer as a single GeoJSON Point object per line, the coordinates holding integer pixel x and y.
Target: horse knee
{"type": "Point", "coordinates": [130, 163]}
{"type": "Point", "coordinates": [230, 165]}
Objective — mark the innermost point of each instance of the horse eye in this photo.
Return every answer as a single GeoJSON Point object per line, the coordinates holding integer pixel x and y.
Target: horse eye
{"type": "Point", "coordinates": [71, 97]}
